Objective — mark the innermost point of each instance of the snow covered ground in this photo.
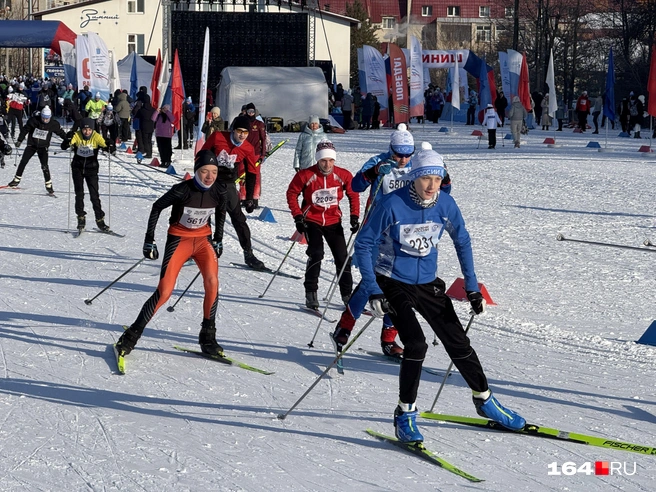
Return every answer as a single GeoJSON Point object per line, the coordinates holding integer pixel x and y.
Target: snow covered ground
{"type": "Point", "coordinates": [559, 346]}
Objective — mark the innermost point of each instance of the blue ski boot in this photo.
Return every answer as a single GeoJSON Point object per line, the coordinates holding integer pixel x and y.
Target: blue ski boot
{"type": "Point", "coordinates": [491, 408]}
{"type": "Point", "coordinates": [405, 424]}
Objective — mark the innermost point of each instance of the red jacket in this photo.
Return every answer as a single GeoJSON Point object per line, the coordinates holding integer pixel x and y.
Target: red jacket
{"type": "Point", "coordinates": [257, 138]}
{"type": "Point", "coordinates": [243, 154]}
{"type": "Point", "coordinates": [321, 195]}
{"type": "Point", "coordinates": [583, 104]}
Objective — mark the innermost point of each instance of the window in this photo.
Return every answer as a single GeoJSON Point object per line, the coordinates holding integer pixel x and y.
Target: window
{"type": "Point", "coordinates": [136, 43]}
{"type": "Point", "coordinates": [453, 11]}
{"type": "Point", "coordinates": [389, 23]}
{"type": "Point", "coordinates": [484, 11]}
{"type": "Point", "coordinates": [510, 12]}
{"type": "Point", "coordinates": [427, 11]}
{"type": "Point", "coordinates": [136, 6]}
{"type": "Point", "coordinates": [483, 33]}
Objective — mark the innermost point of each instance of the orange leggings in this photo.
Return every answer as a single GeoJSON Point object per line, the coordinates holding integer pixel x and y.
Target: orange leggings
{"type": "Point", "coordinates": [178, 250]}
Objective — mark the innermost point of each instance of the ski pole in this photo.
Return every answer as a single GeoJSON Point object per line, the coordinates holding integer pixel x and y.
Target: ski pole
{"type": "Point", "coordinates": [560, 237]}
{"type": "Point", "coordinates": [70, 178]}
{"type": "Point", "coordinates": [170, 309]}
{"type": "Point", "coordinates": [348, 256]}
{"type": "Point", "coordinates": [332, 282]}
{"type": "Point", "coordinates": [276, 272]}
{"type": "Point", "coordinates": [89, 301]}
{"type": "Point", "coordinates": [109, 189]}
{"type": "Point", "coordinates": [282, 416]}
{"type": "Point", "coordinates": [448, 370]}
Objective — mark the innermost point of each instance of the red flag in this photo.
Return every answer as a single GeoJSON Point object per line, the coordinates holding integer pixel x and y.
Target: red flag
{"type": "Point", "coordinates": [651, 83]}
{"type": "Point", "coordinates": [523, 90]}
{"type": "Point", "coordinates": [177, 91]}
{"type": "Point", "coordinates": [399, 72]}
{"type": "Point", "coordinates": [155, 80]}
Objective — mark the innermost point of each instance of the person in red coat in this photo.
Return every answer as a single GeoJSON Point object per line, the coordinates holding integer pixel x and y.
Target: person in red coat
{"type": "Point", "coordinates": [322, 187]}
{"type": "Point", "coordinates": [257, 137]}
{"type": "Point", "coordinates": [583, 110]}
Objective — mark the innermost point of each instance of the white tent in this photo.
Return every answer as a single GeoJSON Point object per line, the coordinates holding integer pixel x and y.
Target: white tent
{"type": "Point", "coordinates": [290, 93]}
{"type": "Point", "coordinates": [144, 71]}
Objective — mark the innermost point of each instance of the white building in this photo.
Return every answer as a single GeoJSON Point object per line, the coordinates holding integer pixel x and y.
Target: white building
{"type": "Point", "coordinates": [141, 26]}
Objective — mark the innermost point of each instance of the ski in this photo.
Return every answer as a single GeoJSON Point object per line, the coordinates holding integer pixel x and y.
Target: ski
{"type": "Point", "coordinates": [224, 360]}
{"type": "Point", "coordinates": [340, 361]}
{"type": "Point", "coordinates": [76, 234]}
{"type": "Point", "coordinates": [7, 187]}
{"type": "Point", "coordinates": [120, 361]}
{"type": "Point", "coordinates": [317, 313]}
{"type": "Point", "coordinates": [109, 233]}
{"type": "Point", "coordinates": [397, 360]}
{"type": "Point", "coordinates": [649, 243]}
{"type": "Point", "coordinates": [420, 450]}
{"type": "Point", "coordinates": [546, 432]}
{"type": "Point", "coordinates": [273, 149]}
{"type": "Point", "coordinates": [560, 237]}
{"type": "Point", "coordinates": [266, 270]}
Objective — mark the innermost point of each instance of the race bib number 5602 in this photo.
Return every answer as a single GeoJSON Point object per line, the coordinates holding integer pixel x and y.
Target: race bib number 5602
{"type": "Point", "coordinates": [419, 239]}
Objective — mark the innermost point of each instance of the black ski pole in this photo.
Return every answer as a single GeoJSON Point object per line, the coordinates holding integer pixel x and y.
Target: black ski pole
{"type": "Point", "coordinates": [170, 309]}
{"type": "Point", "coordinates": [276, 272]}
{"type": "Point", "coordinates": [283, 416]}
{"type": "Point", "coordinates": [560, 237]}
{"type": "Point", "coordinates": [89, 301]}
{"type": "Point", "coordinates": [448, 370]}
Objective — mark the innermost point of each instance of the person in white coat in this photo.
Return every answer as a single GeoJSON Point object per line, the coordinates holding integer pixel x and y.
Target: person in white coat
{"type": "Point", "coordinates": [491, 122]}
{"type": "Point", "coordinates": [312, 134]}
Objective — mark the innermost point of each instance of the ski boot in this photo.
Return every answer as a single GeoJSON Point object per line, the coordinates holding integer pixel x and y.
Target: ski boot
{"type": "Point", "coordinates": [405, 423]}
{"type": "Point", "coordinates": [128, 340]}
{"type": "Point", "coordinates": [388, 343]}
{"type": "Point", "coordinates": [81, 222]}
{"type": "Point", "coordinates": [311, 300]}
{"type": "Point", "coordinates": [14, 182]}
{"type": "Point", "coordinates": [100, 223]}
{"type": "Point", "coordinates": [491, 408]}
{"type": "Point", "coordinates": [252, 261]}
{"type": "Point", "coordinates": [207, 339]}
{"type": "Point", "coordinates": [49, 188]}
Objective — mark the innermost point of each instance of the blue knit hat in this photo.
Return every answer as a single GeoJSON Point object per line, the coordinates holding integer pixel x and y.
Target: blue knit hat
{"type": "Point", "coordinates": [401, 141]}
{"type": "Point", "coordinates": [427, 162]}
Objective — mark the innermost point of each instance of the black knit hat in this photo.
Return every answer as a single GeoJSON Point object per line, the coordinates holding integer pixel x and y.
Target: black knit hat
{"type": "Point", "coordinates": [241, 121]}
{"type": "Point", "coordinates": [203, 158]}
{"type": "Point", "coordinates": [250, 106]}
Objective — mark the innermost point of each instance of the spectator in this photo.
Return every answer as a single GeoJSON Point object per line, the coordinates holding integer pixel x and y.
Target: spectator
{"type": "Point", "coordinates": [596, 111]}
{"type": "Point", "coordinates": [306, 146]}
{"type": "Point", "coordinates": [545, 119]}
{"type": "Point", "coordinates": [164, 130]}
{"type": "Point", "coordinates": [582, 110]}
{"type": "Point", "coordinates": [516, 115]}
{"type": "Point", "coordinates": [501, 104]}
{"type": "Point", "coordinates": [471, 110]}
{"type": "Point", "coordinates": [214, 122]}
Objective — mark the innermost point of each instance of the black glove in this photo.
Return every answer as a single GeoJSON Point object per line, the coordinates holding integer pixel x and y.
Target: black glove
{"type": "Point", "coordinates": [249, 206]}
{"type": "Point", "coordinates": [382, 168]}
{"type": "Point", "coordinates": [18, 144]}
{"type": "Point", "coordinates": [150, 251]}
{"type": "Point", "coordinates": [7, 150]}
{"type": "Point", "coordinates": [112, 148]}
{"type": "Point", "coordinates": [477, 301]}
{"type": "Point", "coordinates": [299, 222]}
{"type": "Point", "coordinates": [65, 144]}
{"type": "Point", "coordinates": [218, 247]}
{"type": "Point", "coordinates": [379, 305]}
{"type": "Point", "coordinates": [355, 223]}
{"type": "Point", "coordinates": [70, 134]}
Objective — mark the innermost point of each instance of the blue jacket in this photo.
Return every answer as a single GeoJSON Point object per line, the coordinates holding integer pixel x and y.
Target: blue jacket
{"type": "Point", "coordinates": [407, 236]}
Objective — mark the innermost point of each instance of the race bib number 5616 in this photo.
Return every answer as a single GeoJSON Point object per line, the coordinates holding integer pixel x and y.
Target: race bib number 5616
{"type": "Point", "coordinates": [195, 218]}
{"type": "Point", "coordinates": [419, 239]}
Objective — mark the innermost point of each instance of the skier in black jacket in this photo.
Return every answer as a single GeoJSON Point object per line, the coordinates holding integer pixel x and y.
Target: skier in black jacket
{"type": "Point", "coordinates": [40, 129]}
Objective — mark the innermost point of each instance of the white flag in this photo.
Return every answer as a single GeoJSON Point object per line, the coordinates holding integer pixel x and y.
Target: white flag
{"type": "Point", "coordinates": [203, 84]}
{"type": "Point", "coordinates": [553, 103]}
{"type": "Point", "coordinates": [455, 85]}
{"type": "Point", "coordinates": [163, 82]}
{"type": "Point", "coordinates": [98, 66]}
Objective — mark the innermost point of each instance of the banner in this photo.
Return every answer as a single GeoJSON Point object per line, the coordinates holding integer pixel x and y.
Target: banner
{"type": "Point", "coordinates": [163, 84]}
{"type": "Point", "coordinates": [609, 100]}
{"type": "Point", "coordinates": [157, 74]}
{"type": "Point", "coordinates": [416, 79]}
{"type": "Point", "coordinates": [68, 57]}
{"type": "Point", "coordinates": [376, 79]}
{"type": "Point", "coordinates": [523, 91]}
{"type": "Point", "coordinates": [114, 78]}
{"type": "Point", "coordinates": [362, 74]}
{"type": "Point", "coordinates": [177, 91]}
{"type": "Point", "coordinates": [82, 61]}
{"type": "Point", "coordinates": [455, 83]}
{"type": "Point", "coordinates": [444, 58]}
{"type": "Point", "coordinates": [551, 82]}
{"type": "Point", "coordinates": [98, 66]}
{"type": "Point", "coordinates": [514, 69]}
{"type": "Point", "coordinates": [504, 70]}
{"type": "Point", "coordinates": [399, 72]}
{"type": "Point", "coordinates": [202, 104]}
{"type": "Point", "coordinates": [651, 82]}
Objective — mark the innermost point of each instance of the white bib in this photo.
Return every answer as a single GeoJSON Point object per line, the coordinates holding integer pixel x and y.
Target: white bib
{"type": "Point", "coordinates": [195, 218]}
{"type": "Point", "coordinates": [419, 239]}
{"type": "Point", "coordinates": [325, 197]}
{"type": "Point", "coordinates": [40, 134]}
{"type": "Point", "coordinates": [395, 180]}
{"type": "Point", "coordinates": [85, 151]}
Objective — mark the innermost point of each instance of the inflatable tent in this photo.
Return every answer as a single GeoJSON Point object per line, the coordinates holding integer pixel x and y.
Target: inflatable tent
{"type": "Point", "coordinates": [291, 93]}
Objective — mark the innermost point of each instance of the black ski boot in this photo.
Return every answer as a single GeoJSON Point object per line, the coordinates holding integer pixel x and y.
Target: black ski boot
{"type": "Point", "coordinates": [49, 188]}
{"type": "Point", "coordinates": [14, 182]}
{"type": "Point", "coordinates": [252, 261]}
{"type": "Point", "coordinates": [100, 223]}
{"type": "Point", "coordinates": [128, 340]}
{"type": "Point", "coordinates": [81, 222]}
{"type": "Point", "coordinates": [311, 300]}
{"type": "Point", "coordinates": [207, 339]}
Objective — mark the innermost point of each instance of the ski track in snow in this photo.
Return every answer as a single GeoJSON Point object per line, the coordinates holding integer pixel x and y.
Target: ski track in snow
{"type": "Point", "coordinates": [559, 347]}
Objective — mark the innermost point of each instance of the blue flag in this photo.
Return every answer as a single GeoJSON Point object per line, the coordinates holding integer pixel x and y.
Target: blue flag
{"type": "Point", "coordinates": [485, 97]}
{"type": "Point", "coordinates": [609, 100]}
{"type": "Point", "coordinates": [134, 84]}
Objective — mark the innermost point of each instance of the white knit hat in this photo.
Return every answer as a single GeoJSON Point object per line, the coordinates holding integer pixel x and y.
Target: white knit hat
{"type": "Point", "coordinates": [45, 112]}
{"type": "Point", "coordinates": [325, 150]}
{"type": "Point", "coordinates": [401, 141]}
{"type": "Point", "coordinates": [427, 162]}
{"type": "Point", "coordinates": [313, 119]}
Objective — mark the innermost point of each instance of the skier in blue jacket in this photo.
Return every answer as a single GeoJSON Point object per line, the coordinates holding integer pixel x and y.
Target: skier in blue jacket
{"type": "Point", "coordinates": [385, 173]}
{"type": "Point", "coordinates": [405, 228]}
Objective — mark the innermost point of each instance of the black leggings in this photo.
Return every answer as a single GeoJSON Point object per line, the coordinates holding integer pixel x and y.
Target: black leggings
{"type": "Point", "coordinates": [42, 152]}
{"type": "Point", "coordinates": [433, 304]}
{"type": "Point", "coordinates": [334, 235]}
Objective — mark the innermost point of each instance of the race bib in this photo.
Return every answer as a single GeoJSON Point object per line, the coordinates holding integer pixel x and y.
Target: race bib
{"type": "Point", "coordinates": [326, 197]}
{"type": "Point", "coordinates": [395, 180]}
{"type": "Point", "coordinates": [85, 151]}
{"type": "Point", "coordinates": [40, 134]}
{"type": "Point", "coordinates": [195, 218]}
{"type": "Point", "coordinates": [419, 239]}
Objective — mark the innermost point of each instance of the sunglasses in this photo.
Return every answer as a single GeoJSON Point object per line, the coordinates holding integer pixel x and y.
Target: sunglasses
{"type": "Point", "coordinates": [241, 132]}
{"type": "Point", "coordinates": [250, 111]}
{"type": "Point", "coordinates": [403, 156]}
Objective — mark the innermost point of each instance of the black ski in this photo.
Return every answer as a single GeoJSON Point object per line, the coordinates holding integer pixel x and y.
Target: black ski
{"type": "Point", "coordinates": [317, 313]}
{"type": "Point", "coordinates": [109, 233]}
{"type": "Point", "coordinates": [266, 270]}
